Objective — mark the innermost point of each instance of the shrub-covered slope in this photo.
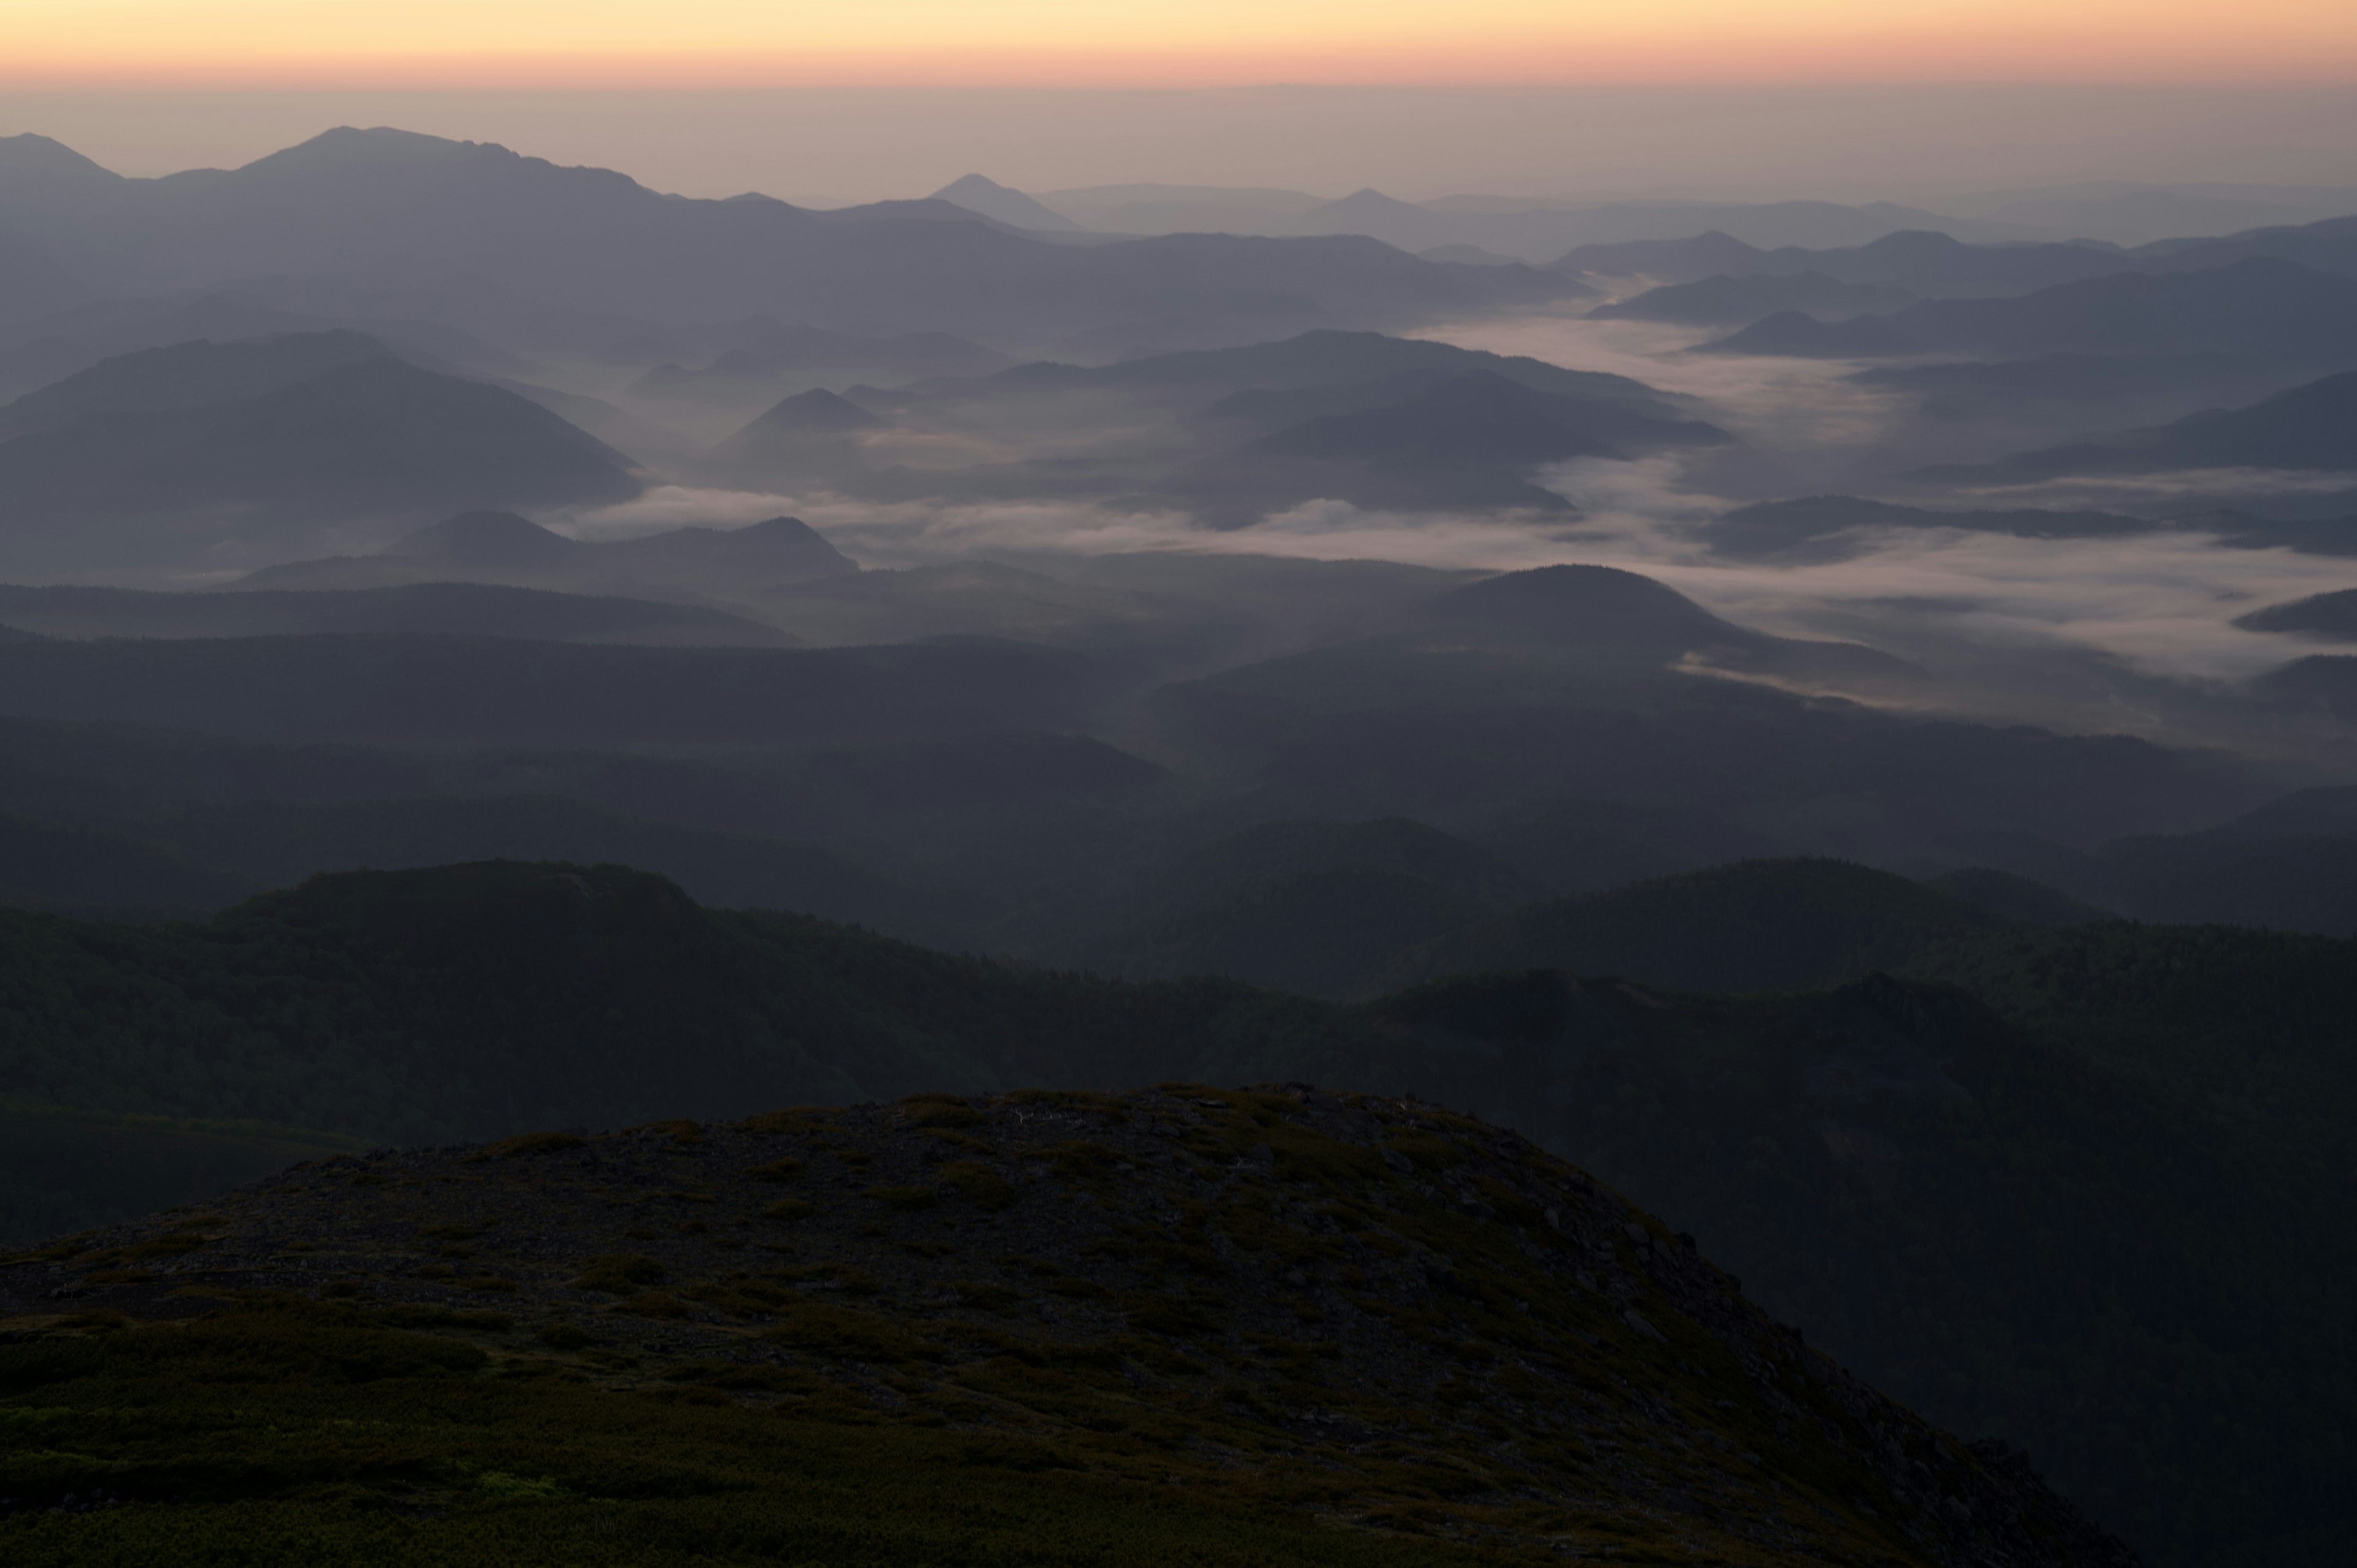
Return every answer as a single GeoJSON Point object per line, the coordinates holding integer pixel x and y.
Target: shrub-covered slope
{"type": "Point", "coordinates": [1177, 1326]}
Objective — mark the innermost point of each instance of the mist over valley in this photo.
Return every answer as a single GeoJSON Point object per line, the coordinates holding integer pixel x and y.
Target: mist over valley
{"type": "Point", "coordinates": [1086, 821]}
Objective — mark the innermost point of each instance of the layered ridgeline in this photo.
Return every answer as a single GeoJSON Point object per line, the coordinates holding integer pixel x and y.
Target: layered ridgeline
{"type": "Point", "coordinates": [2108, 1222]}
{"type": "Point", "coordinates": [1179, 1326]}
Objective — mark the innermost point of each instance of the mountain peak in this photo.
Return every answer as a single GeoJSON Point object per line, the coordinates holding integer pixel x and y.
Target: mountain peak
{"type": "Point", "coordinates": [817, 410]}
{"type": "Point", "coordinates": [978, 193]}
{"type": "Point", "coordinates": [30, 157]}
{"type": "Point", "coordinates": [485, 538]}
{"type": "Point", "coordinates": [377, 146]}
{"type": "Point", "coordinates": [1583, 603]}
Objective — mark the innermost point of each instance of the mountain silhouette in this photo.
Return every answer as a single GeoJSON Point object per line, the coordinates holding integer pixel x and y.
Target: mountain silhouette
{"type": "Point", "coordinates": [991, 199]}
{"type": "Point", "coordinates": [505, 548]}
{"type": "Point", "coordinates": [1738, 301]}
{"type": "Point", "coordinates": [512, 242]}
{"type": "Point", "coordinates": [2310, 428]}
{"type": "Point", "coordinates": [285, 435]}
{"type": "Point", "coordinates": [461, 609]}
{"type": "Point", "coordinates": [1479, 418]}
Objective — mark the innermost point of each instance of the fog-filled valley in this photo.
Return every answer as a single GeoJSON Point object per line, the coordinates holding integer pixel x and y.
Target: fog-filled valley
{"type": "Point", "coordinates": [1839, 718]}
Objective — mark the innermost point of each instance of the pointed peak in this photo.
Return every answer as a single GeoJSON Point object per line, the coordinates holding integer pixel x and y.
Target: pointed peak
{"type": "Point", "coordinates": [378, 146]}
{"type": "Point", "coordinates": [979, 193]}
{"type": "Point", "coordinates": [28, 153]}
{"type": "Point", "coordinates": [972, 185]}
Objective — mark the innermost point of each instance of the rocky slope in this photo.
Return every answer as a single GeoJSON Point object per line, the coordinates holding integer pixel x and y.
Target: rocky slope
{"type": "Point", "coordinates": [1411, 1330]}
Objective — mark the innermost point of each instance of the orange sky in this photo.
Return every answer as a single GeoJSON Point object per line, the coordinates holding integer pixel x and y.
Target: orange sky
{"type": "Point", "coordinates": [1169, 43]}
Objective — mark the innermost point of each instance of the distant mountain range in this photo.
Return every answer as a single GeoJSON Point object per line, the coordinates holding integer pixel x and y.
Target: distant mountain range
{"type": "Point", "coordinates": [448, 608]}
{"type": "Point", "coordinates": [1824, 528]}
{"type": "Point", "coordinates": [524, 250]}
{"type": "Point", "coordinates": [504, 548]}
{"type": "Point", "coordinates": [1238, 432]}
{"type": "Point", "coordinates": [477, 690]}
{"type": "Point", "coordinates": [1922, 262]}
{"type": "Point", "coordinates": [2259, 307]}
{"type": "Point", "coordinates": [1524, 230]}
{"type": "Point", "coordinates": [2310, 428]}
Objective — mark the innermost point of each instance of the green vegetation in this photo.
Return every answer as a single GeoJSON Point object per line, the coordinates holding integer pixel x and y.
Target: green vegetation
{"type": "Point", "coordinates": [1234, 1334]}
{"type": "Point", "coordinates": [2106, 1221]}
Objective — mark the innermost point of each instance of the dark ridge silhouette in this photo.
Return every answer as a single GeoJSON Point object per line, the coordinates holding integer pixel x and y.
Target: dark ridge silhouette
{"type": "Point", "coordinates": [2309, 427]}
{"type": "Point", "coordinates": [817, 411]}
{"type": "Point", "coordinates": [1602, 605]}
{"type": "Point", "coordinates": [2013, 897]}
{"type": "Point", "coordinates": [2332, 615]}
{"type": "Point", "coordinates": [122, 450]}
{"type": "Point", "coordinates": [1481, 417]}
{"type": "Point", "coordinates": [1764, 925]}
{"type": "Point", "coordinates": [460, 609]}
{"type": "Point", "coordinates": [1830, 527]}
{"type": "Point", "coordinates": [535, 242]}
{"type": "Point", "coordinates": [1793, 334]}
{"type": "Point", "coordinates": [764, 353]}
{"type": "Point", "coordinates": [500, 541]}
{"type": "Point", "coordinates": [991, 199]}
{"type": "Point", "coordinates": [187, 375]}
{"type": "Point", "coordinates": [1324, 358]}
{"type": "Point", "coordinates": [505, 548]}
{"type": "Point", "coordinates": [509, 691]}
{"type": "Point", "coordinates": [1920, 261]}
{"type": "Point", "coordinates": [1740, 301]}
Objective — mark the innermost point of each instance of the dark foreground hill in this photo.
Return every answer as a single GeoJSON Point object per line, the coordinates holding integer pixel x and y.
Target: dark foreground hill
{"type": "Point", "coordinates": [1176, 1327]}
{"type": "Point", "coordinates": [2108, 1221]}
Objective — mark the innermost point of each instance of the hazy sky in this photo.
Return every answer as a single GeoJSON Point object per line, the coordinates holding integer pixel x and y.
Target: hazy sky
{"type": "Point", "coordinates": [1173, 42]}
{"type": "Point", "coordinates": [1914, 142]}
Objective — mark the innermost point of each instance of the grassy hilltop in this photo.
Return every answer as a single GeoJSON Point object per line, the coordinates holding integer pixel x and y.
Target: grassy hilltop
{"type": "Point", "coordinates": [1179, 1326]}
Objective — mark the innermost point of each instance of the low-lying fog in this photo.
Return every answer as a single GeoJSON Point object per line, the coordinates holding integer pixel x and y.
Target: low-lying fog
{"type": "Point", "coordinates": [2128, 633]}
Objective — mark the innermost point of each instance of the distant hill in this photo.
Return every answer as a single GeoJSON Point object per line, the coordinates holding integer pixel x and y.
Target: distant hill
{"type": "Point", "coordinates": [1765, 924]}
{"type": "Point", "coordinates": [461, 609]}
{"type": "Point", "coordinates": [1830, 527]}
{"type": "Point", "coordinates": [1794, 333]}
{"type": "Point", "coordinates": [1623, 617]}
{"type": "Point", "coordinates": [2262, 308]}
{"type": "Point", "coordinates": [1305, 906]}
{"type": "Point", "coordinates": [504, 548]}
{"type": "Point", "coordinates": [1481, 417]}
{"type": "Point", "coordinates": [1528, 228]}
{"type": "Point", "coordinates": [798, 441]}
{"type": "Point", "coordinates": [2332, 615]}
{"type": "Point", "coordinates": [187, 375]}
{"type": "Point", "coordinates": [2090, 391]}
{"type": "Point", "coordinates": [2328, 246]}
{"type": "Point", "coordinates": [35, 353]}
{"type": "Point", "coordinates": [533, 243]}
{"type": "Point", "coordinates": [1324, 358]}
{"type": "Point", "coordinates": [283, 435]}
{"type": "Point", "coordinates": [767, 359]}
{"type": "Point", "coordinates": [1740, 301]}
{"type": "Point", "coordinates": [2012, 898]}
{"type": "Point", "coordinates": [505, 690]}
{"type": "Point", "coordinates": [2312, 427]}
{"type": "Point", "coordinates": [1920, 261]}
{"type": "Point", "coordinates": [991, 199]}
{"type": "Point", "coordinates": [1406, 424]}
